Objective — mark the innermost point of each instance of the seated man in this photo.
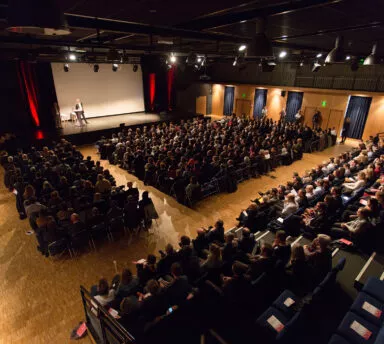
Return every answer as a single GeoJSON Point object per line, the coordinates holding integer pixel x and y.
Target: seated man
{"type": "Point", "coordinates": [178, 290]}
{"type": "Point", "coordinates": [355, 227]}
{"type": "Point", "coordinates": [76, 225]}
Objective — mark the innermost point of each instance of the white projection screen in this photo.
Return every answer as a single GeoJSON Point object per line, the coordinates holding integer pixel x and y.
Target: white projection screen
{"type": "Point", "coordinates": [103, 94]}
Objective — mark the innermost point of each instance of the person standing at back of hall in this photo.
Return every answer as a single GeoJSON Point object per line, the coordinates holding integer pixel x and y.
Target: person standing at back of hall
{"type": "Point", "coordinates": [344, 132]}
{"type": "Point", "coordinates": [264, 112]}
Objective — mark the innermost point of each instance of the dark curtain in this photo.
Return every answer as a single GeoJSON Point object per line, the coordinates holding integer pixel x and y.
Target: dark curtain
{"type": "Point", "coordinates": [229, 97]}
{"type": "Point", "coordinates": [295, 99]}
{"type": "Point", "coordinates": [163, 97]}
{"type": "Point", "coordinates": [259, 102]}
{"type": "Point", "coordinates": [357, 111]}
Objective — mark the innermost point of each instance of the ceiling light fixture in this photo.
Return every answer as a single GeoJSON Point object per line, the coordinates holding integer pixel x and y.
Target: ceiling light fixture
{"type": "Point", "coordinates": [173, 58]}
{"type": "Point", "coordinates": [371, 59]}
{"type": "Point", "coordinates": [347, 57]}
{"type": "Point", "coordinates": [115, 67]}
{"type": "Point", "coordinates": [66, 67]}
{"type": "Point", "coordinates": [242, 47]}
{"type": "Point", "coordinates": [301, 64]}
{"type": "Point", "coordinates": [316, 66]}
{"type": "Point", "coordinates": [72, 57]}
{"type": "Point", "coordinates": [336, 55]}
{"type": "Point", "coordinates": [234, 62]}
{"type": "Point", "coordinates": [319, 55]}
{"type": "Point", "coordinates": [283, 54]}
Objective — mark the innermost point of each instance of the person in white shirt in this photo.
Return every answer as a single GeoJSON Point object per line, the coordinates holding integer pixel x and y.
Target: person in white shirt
{"type": "Point", "coordinates": [309, 192]}
{"type": "Point", "coordinates": [319, 190]}
{"type": "Point", "coordinates": [104, 294]}
{"type": "Point", "coordinates": [298, 116]}
{"type": "Point", "coordinates": [79, 111]}
{"type": "Point", "coordinates": [264, 112]}
{"type": "Point", "coordinates": [354, 227]}
{"type": "Point", "coordinates": [290, 205]}
{"type": "Point", "coordinates": [350, 187]}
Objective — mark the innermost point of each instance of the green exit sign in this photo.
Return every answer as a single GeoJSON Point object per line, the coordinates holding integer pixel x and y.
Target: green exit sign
{"type": "Point", "coordinates": [243, 95]}
{"type": "Point", "coordinates": [324, 103]}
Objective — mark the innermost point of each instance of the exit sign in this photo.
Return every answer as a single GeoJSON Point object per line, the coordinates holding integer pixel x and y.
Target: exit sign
{"type": "Point", "coordinates": [324, 103]}
{"type": "Point", "coordinates": [243, 95]}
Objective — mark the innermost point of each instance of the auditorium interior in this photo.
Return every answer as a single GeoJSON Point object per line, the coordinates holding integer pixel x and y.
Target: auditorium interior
{"type": "Point", "coordinates": [204, 173]}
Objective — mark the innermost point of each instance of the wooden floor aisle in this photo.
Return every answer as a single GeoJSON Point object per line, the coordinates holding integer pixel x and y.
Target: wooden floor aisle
{"type": "Point", "coordinates": [40, 299]}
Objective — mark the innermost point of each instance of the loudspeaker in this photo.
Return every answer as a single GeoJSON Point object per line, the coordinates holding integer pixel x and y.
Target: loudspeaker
{"type": "Point", "coordinates": [283, 93]}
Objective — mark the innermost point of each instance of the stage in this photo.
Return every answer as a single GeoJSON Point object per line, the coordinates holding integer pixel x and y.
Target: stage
{"type": "Point", "coordinates": [101, 126]}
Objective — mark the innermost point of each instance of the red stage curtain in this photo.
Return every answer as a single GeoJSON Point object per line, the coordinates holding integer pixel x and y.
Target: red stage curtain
{"type": "Point", "coordinates": [152, 90]}
{"type": "Point", "coordinates": [28, 86]}
{"type": "Point", "coordinates": [170, 77]}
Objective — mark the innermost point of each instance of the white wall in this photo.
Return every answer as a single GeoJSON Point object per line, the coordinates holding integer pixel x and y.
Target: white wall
{"type": "Point", "coordinates": [102, 94]}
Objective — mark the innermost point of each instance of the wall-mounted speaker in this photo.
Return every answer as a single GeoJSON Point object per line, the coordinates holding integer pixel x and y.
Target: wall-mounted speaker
{"type": "Point", "coordinates": [283, 93]}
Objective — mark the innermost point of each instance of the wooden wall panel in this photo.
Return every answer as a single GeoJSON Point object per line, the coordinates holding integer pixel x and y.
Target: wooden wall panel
{"type": "Point", "coordinates": [201, 105]}
{"type": "Point", "coordinates": [336, 119]}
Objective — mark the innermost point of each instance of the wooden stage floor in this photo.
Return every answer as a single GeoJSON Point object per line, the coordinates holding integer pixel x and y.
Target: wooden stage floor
{"type": "Point", "coordinates": [40, 298]}
{"type": "Point", "coordinates": [109, 122]}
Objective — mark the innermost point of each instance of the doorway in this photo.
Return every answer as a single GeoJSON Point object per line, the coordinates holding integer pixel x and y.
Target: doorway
{"type": "Point", "coordinates": [243, 106]}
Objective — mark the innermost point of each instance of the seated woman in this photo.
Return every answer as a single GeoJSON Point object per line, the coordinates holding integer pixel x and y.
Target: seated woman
{"type": "Point", "coordinates": [349, 187]}
{"type": "Point", "coordinates": [319, 256]}
{"type": "Point", "coordinates": [299, 271]}
{"type": "Point", "coordinates": [214, 260]}
{"type": "Point", "coordinates": [104, 294]}
{"type": "Point", "coordinates": [128, 284]}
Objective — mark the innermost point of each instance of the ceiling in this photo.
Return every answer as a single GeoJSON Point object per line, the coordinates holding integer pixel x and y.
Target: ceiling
{"type": "Point", "coordinates": [303, 27]}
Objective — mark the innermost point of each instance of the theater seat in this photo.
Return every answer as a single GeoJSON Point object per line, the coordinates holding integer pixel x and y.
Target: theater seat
{"type": "Point", "coordinates": [357, 308]}
{"type": "Point", "coordinates": [353, 337]}
{"type": "Point", "coordinates": [279, 315]}
{"type": "Point", "coordinates": [282, 303]}
{"type": "Point", "coordinates": [375, 288]}
{"type": "Point", "coordinates": [336, 339]}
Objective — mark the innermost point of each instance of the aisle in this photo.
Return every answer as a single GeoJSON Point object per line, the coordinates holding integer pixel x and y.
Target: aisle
{"type": "Point", "coordinates": [40, 297]}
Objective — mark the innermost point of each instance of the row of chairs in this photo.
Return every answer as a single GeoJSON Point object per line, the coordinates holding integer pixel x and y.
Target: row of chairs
{"type": "Point", "coordinates": [288, 313]}
{"type": "Point", "coordinates": [364, 323]}
{"type": "Point", "coordinates": [104, 230]}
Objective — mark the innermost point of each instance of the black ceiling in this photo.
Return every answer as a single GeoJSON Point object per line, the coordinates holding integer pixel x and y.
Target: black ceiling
{"type": "Point", "coordinates": [304, 27]}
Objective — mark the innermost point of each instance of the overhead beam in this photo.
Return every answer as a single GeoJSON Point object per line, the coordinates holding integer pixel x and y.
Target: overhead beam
{"type": "Point", "coordinates": [86, 22]}
{"type": "Point", "coordinates": [328, 31]}
{"type": "Point", "coordinates": [236, 17]}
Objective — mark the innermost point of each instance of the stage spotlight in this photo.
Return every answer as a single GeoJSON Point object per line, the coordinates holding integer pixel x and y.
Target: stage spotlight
{"type": "Point", "coordinates": [242, 47]}
{"type": "Point", "coordinates": [316, 67]}
{"type": "Point", "coordinates": [72, 57]}
{"type": "Point", "coordinates": [336, 55]}
{"type": "Point", "coordinates": [173, 58]}
{"type": "Point", "coordinates": [234, 62]}
{"type": "Point", "coordinates": [283, 54]}
{"type": "Point", "coordinates": [319, 55]}
{"type": "Point", "coordinates": [115, 66]}
{"type": "Point", "coordinates": [135, 68]}
{"type": "Point", "coordinates": [66, 67]}
{"type": "Point", "coordinates": [199, 59]}
{"type": "Point", "coordinates": [301, 64]}
{"type": "Point", "coordinates": [372, 59]}
{"type": "Point", "coordinates": [347, 57]}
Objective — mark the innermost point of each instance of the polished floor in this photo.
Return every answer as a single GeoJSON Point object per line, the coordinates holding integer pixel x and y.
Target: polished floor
{"type": "Point", "coordinates": [40, 299]}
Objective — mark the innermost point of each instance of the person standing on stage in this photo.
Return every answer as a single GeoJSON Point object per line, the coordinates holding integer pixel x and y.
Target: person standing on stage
{"type": "Point", "coordinates": [79, 110]}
